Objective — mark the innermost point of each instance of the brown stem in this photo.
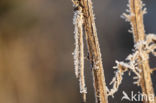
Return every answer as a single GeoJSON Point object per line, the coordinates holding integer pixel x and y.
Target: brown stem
{"type": "Point", "coordinates": [153, 70]}
{"type": "Point", "coordinates": [139, 35]}
{"type": "Point", "coordinates": [94, 52]}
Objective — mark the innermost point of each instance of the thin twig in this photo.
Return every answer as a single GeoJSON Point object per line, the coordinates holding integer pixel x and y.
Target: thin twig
{"type": "Point", "coordinates": [136, 19]}
{"type": "Point", "coordinates": [79, 48]}
{"type": "Point", "coordinates": [94, 52]}
{"type": "Point", "coordinates": [153, 70]}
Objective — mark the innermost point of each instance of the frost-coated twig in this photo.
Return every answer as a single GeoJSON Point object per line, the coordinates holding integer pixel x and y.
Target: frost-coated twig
{"type": "Point", "coordinates": [85, 7]}
{"type": "Point", "coordinates": [133, 62]}
{"type": "Point", "coordinates": [94, 52]}
{"type": "Point", "coordinates": [117, 80]}
{"type": "Point", "coordinates": [153, 70]}
{"type": "Point", "coordinates": [136, 15]}
{"type": "Point", "coordinates": [79, 49]}
{"type": "Point", "coordinates": [138, 62]}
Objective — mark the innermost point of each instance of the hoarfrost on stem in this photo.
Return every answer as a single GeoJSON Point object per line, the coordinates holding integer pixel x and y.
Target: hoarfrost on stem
{"type": "Point", "coordinates": [79, 48]}
{"type": "Point", "coordinates": [147, 46]}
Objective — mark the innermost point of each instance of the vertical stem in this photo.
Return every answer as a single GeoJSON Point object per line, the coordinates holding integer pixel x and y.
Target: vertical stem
{"type": "Point", "coordinates": [79, 49]}
{"type": "Point", "coordinates": [137, 20]}
{"type": "Point", "coordinates": [94, 52]}
{"type": "Point", "coordinates": [82, 77]}
{"type": "Point", "coordinates": [139, 35]}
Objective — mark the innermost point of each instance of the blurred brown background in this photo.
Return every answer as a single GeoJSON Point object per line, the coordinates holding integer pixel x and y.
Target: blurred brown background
{"type": "Point", "coordinates": [36, 45]}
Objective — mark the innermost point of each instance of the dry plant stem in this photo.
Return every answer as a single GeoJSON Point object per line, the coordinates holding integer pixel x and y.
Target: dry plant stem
{"type": "Point", "coordinates": [79, 49]}
{"type": "Point", "coordinates": [82, 80]}
{"type": "Point", "coordinates": [139, 35]}
{"type": "Point", "coordinates": [153, 70]}
{"type": "Point", "coordinates": [94, 52]}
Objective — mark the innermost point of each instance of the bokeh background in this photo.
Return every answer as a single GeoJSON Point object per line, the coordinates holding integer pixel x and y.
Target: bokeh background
{"type": "Point", "coordinates": [36, 45]}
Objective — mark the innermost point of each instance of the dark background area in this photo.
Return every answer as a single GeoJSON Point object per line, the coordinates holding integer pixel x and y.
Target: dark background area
{"type": "Point", "coordinates": [36, 45]}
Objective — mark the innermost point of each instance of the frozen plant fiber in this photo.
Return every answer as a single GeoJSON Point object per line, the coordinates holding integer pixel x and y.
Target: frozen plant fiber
{"type": "Point", "coordinates": [79, 51]}
{"type": "Point", "coordinates": [85, 7]}
{"type": "Point", "coordinates": [138, 62]}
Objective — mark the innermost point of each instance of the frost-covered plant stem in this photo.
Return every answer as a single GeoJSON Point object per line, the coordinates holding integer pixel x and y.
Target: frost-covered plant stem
{"type": "Point", "coordinates": [79, 50]}
{"type": "Point", "coordinates": [85, 8]}
{"type": "Point", "coordinates": [138, 61]}
{"type": "Point", "coordinates": [136, 20]}
{"type": "Point", "coordinates": [94, 52]}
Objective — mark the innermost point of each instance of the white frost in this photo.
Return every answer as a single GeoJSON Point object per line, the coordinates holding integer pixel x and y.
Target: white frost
{"type": "Point", "coordinates": [79, 49]}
